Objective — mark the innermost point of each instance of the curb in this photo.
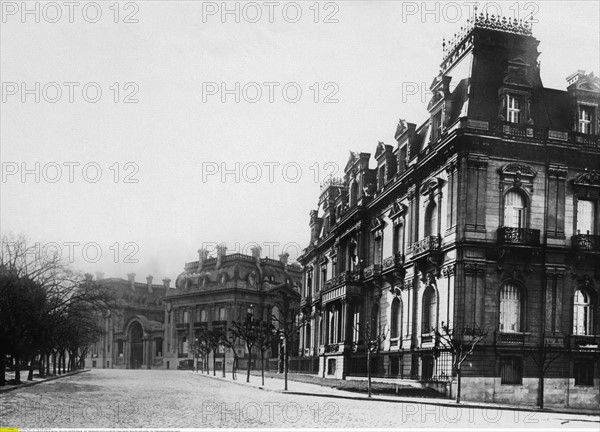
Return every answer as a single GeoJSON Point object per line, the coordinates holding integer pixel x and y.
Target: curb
{"type": "Point", "coordinates": [442, 402]}
{"type": "Point", "coordinates": [29, 384]}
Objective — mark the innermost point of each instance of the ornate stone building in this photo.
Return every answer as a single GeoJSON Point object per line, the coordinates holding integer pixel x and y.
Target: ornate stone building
{"type": "Point", "coordinates": [213, 292]}
{"type": "Point", "coordinates": [133, 330]}
{"type": "Point", "coordinates": [486, 215]}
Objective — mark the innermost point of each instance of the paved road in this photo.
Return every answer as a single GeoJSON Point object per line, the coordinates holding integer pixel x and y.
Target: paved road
{"type": "Point", "coordinates": [153, 398]}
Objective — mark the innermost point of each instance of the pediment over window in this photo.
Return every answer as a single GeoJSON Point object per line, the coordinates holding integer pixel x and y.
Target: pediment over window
{"type": "Point", "coordinates": [516, 73]}
{"type": "Point", "coordinates": [431, 185]}
{"type": "Point", "coordinates": [588, 178]}
{"type": "Point", "coordinates": [514, 169]}
{"type": "Point", "coordinates": [377, 223]}
{"type": "Point", "coordinates": [397, 210]}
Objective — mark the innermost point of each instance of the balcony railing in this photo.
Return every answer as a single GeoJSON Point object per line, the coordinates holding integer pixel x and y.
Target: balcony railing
{"type": "Point", "coordinates": [394, 261]}
{"type": "Point", "coordinates": [182, 325]}
{"type": "Point", "coordinates": [586, 242]}
{"type": "Point", "coordinates": [510, 338]}
{"type": "Point", "coordinates": [373, 270]}
{"type": "Point", "coordinates": [348, 276]}
{"type": "Point", "coordinates": [427, 245]}
{"type": "Point", "coordinates": [585, 342]}
{"type": "Point", "coordinates": [518, 236]}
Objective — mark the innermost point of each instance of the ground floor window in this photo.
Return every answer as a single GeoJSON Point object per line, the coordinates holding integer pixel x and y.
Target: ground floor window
{"type": "Point", "coordinates": [584, 372]}
{"type": "Point", "coordinates": [330, 366]}
{"type": "Point", "coordinates": [511, 370]}
{"type": "Point", "coordinates": [120, 347]}
{"type": "Point", "coordinates": [158, 346]}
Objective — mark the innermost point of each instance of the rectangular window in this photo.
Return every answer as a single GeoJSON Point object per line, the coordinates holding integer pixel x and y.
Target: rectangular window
{"type": "Point", "coordinates": [323, 276]}
{"type": "Point", "coordinates": [222, 314]}
{"type": "Point", "coordinates": [203, 315]}
{"type": "Point", "coordinates": [356, 327]}
{"type": "Point", "coordinates": [511, 370]}
{"type": "Point", "coordinates": [585, 217]}
{"type": "Point", "coordinates": [584, 372]}
{"type": "Point", "coordinates": [402, 159]}
{"type": "Point", "coordinates": [120, 347]}
{"type": "Point", "coordinates": [585, 120]}
{"type": "Point", "coordinates": [381, 178]}
{"type": "Point", "coordinates": [186, 317]}
{"type": "Point", "coordinates": [514, 106]}
{"type": "Point", "coordinates": [377, 245]}
{"type": "Point", "coordinates": [436, 126]}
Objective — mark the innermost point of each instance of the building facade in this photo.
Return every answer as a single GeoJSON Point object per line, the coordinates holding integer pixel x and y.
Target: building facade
{"type": "Point", "coordinates": [484, 216]}
{"type": "Point", "coordinates": [133, 329]}
{"type": "Point", "coordinates": [213, 292]}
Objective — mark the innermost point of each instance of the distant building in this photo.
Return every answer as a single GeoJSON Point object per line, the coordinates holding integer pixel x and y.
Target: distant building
{"type": "Point", "coordinates": [486, 215]}
{"type": "Point", "coordinates": [213, 292]}
{"type": "Point", "coordinates": [134, 331]}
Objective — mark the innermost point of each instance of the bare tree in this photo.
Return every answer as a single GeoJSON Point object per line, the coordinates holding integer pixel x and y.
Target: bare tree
{"type": "Point", "coordinates": [461, 343]}
{"type": "Point", "coordinates": [543, 356]}
{"type": "Point", "coordinates": [248, 331]}
{"type": "Point", "coordinates": [287, 326]}
{"type": "Point", "coordinates": [374, 335]}
{"type": "Point", "coordinates": [40, 300]}
{"type": "Point", "coordinates": [264, 341]}
{"type": "Point", "coordinates": [230, 341]}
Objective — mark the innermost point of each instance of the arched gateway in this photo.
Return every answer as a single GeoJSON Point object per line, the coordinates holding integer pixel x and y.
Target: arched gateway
{"type": "Point", "coordinates": [136, 338]}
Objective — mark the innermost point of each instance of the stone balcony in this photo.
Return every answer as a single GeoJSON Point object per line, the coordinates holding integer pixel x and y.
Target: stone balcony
{"type": "Point", "coordinates": [394, 262]}
{"type": "Point", "coordinates": [584, 343]}
{"type": "Point", "coordinates": [510, 236]}
{"type": "Point", "coordinates": [586, 243]}
{"type": "Point", "coordinates": [426, 246]}
{"type": "Point", "coordinates": [513, 339]}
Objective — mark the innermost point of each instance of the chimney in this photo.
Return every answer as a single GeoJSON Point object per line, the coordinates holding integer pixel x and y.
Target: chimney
{"type": "Point", "coordinates": [149, 282]}
{"type": "Point", "coordinates": [166, 283]}
{"type": "Point", "coordinates": [99, 275]}
{"type": "Point", "coordinates": [131, 277]}
{"type": "Point", "coordinates": [574, 77]}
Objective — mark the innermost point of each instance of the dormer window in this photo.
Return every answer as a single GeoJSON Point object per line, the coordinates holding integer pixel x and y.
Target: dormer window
{"type": "Point", "coordinates": [514, 108]}
{"type": "Point", "coordinates": [585, 121]}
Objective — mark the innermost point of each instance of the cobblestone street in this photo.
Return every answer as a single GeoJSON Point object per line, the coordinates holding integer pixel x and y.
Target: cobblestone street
{"type": "Point", "coordinates": [153, 398]}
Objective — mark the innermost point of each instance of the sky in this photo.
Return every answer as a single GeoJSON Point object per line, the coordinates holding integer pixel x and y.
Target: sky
{"type": "Point", "coordinates": [134, 133]}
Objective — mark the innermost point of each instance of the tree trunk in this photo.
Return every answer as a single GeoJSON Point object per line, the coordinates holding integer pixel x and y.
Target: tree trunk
{"type": "Point", "coordinates": [48, 363]}
{"type": "Point", "coordinates": [285, 365]}
{"type": "Point", "coordinates": [64, 361]}
{"type": "Point", "coordinates": [54, 362]}
{"type": "Point", "coordinates": [224, 357]}
{"type": "Point", "coordinates": [368, 371]}
{"type": "Point", "coordinates": [17, 369]}
{"type": "Point", "coordinates": [207, 365]}
{"type": "Point", "coordinates": [249, 363]}
{"type": "Point", "coordinates": [234, 366]}
{"type": "Point", "coordinates": [458, 386]}
{"type": "Point", "coordinates": [214, 363]}
{"type": "Point", "coordinates": [42, 365]}
{"type": "Point", "coordinates": [262, 366]}
{"type": "Point", "coordinates": [2, 368]}
{"type": "Point", "coordinates": [31, 367]}
{"type": "Point", "coordinates": [541, 389]}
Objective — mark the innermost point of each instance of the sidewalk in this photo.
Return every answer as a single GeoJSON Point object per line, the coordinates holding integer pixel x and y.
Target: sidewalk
{"type": "Point", "coordinates": [316, 390]}
{"type": "Point", "coordinates": [37, 380]}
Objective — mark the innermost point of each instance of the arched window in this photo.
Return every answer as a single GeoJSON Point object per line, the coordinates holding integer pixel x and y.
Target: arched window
{"type": "Point", "coordinates": [429, 321]}
{"type": "Point", "coordinates": [510, 309]}
{"type": "Point", "coordinates": [515, 207]}
{"type": "Point", "coordinates": [582, 314]}
{"type": "Point", "coordinates": [395, 316]}
{"type": "Point", "coordinates": [431, 219]}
